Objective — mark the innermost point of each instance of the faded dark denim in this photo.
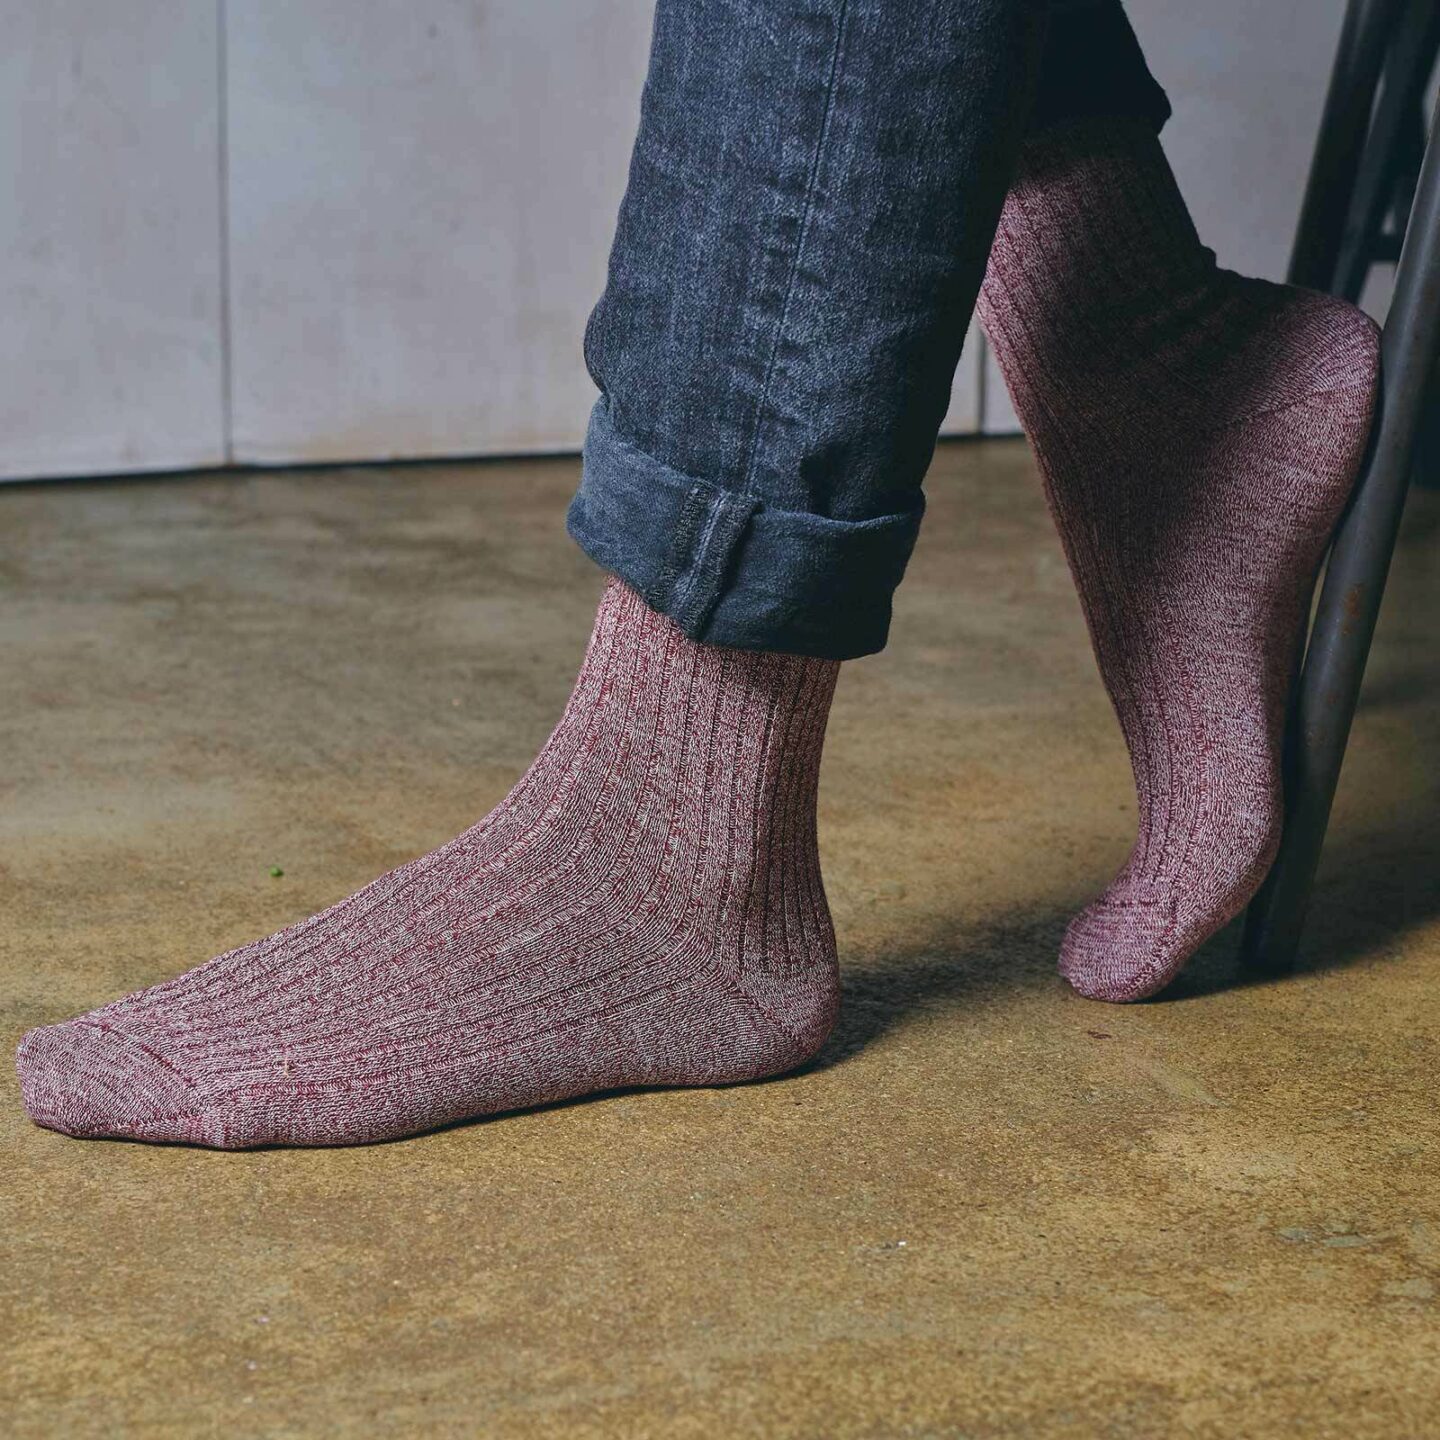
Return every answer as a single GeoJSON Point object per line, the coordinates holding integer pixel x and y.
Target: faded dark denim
{"type": "Point", "coordinates": [812, 198]}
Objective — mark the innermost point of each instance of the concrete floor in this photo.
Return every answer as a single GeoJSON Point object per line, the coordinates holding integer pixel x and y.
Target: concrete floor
{"type": "Point", "coordinates": [992, 1209]}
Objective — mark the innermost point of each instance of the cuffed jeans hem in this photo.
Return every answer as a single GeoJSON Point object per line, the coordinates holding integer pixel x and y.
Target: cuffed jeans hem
{"type": "Point", "coordinates": [730, 569]}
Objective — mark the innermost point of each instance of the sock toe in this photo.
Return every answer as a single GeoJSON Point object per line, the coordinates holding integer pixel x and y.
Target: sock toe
{"type": "Point", "coordinates": [86, 1079]}
{"type": "Point", "coordinates": [1123, 948]}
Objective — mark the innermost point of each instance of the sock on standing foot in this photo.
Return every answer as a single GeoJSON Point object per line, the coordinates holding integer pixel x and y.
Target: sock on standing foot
{"type": "Point", "coordinates": [1198, 434]}
{"type": "Point", "coordinates": [644, 908]}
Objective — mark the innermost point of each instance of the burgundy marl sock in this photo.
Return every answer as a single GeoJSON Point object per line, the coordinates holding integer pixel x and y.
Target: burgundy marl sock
{"type": "Point", "coordinates": [1198, 434]}
{"type": "Point", "coordinates": [644, 908]}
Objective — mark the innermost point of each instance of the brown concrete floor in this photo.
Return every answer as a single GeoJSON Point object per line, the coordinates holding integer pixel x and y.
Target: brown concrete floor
{"type": "Point", "coordinates": [993, 1209]}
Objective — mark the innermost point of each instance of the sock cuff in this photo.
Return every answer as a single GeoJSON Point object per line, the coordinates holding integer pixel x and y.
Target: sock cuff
{"type": "Point", "coordinates": [1079, 184]}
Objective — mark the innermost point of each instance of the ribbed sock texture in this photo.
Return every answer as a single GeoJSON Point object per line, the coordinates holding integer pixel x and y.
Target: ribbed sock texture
{"type": "Point", "coordinates": [644, 908]}
{"type": "Point", "coordinates": [1198, 434]}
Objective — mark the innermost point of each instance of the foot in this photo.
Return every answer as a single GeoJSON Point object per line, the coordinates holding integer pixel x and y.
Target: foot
{"type": "Point", "coordinates": [644, 908]}
{"type": "Point", "coordinates": [1198, 434]}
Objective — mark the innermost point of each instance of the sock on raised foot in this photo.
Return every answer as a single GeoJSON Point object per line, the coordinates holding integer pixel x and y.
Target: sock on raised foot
{"type": "Point", "coordinates": [1198, 434]}
{"type": "Point", "coordinates": [644, 908]}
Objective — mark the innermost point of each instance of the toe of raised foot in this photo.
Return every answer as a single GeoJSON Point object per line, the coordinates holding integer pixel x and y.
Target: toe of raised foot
{"type": "Point", "coordinates": [1123, 950]}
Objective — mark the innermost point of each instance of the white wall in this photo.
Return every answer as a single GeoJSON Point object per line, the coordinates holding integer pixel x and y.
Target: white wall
{"type": "Point", "coordinates": [110, 274]}
{"type": "Point", "coordinates": [420, 202]}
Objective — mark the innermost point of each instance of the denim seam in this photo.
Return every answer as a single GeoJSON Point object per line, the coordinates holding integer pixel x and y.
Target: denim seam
{"type": "Point", "coordinates": [729, 515]}
{"type": "Point", "coordinates": [678, 558]}
{"type": "Point", "coordinates": [831, 84]}
{"type": "Point", "coordinates": [693, 570]}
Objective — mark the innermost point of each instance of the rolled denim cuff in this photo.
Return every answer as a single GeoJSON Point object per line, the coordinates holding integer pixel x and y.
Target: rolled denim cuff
{"type": "Point", "coordinates": [729, 568]}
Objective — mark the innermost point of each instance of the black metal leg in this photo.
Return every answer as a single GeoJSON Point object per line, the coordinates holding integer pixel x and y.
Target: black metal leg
{"type": "Point", "coordinates": [1410, 60]}
{"type": "Point", "coordinates": [1427, 448]}
{"type": "Point", "coordinates": [1324, 703]}
{"type": "Point", "coordinates": [1343, 126]}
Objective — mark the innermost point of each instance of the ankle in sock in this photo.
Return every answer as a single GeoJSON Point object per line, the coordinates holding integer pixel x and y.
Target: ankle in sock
{"type": "Point", "coordinates": [1198, 434]}
{"type": "Point", "coordinates": [643, 909]}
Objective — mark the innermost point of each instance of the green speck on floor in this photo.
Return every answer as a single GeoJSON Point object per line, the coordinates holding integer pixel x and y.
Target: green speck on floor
{"type": "Point", "coordinates": [276, 872]}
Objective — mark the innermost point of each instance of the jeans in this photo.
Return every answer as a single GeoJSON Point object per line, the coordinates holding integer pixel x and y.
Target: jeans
{"type": "Point", "coordinates": [812, 197]}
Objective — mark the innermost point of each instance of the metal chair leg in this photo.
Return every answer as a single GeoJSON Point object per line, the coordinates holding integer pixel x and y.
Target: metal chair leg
{"type": "Point", "coordinates": [1345, 121]}
{"type": "Point", "coordinates": [1427, 448]}
{"type": "Point", "coordinates": [1324, 703]}
{"type": "Point", "coordinates": [1411, 58]}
